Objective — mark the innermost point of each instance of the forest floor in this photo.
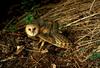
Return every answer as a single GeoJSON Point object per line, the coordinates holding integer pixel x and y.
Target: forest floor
{"type": "Point", "coordinates": [79, 22]}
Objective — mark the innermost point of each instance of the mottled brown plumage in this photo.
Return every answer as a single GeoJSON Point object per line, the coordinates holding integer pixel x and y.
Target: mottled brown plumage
{"type": "Point", "coordinates": [46, 34]}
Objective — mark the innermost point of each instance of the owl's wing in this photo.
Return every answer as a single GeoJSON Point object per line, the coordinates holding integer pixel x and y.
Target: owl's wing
{"type": "Point", "coordinates": [61, 41]}
{"type": "Point", "coordinates": [47, 38]}
{"type": "Point", "coordinates": [56, 39]}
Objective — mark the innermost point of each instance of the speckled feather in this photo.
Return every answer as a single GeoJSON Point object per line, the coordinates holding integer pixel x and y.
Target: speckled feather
{"type": "Point", "coordinates": [53, 38]}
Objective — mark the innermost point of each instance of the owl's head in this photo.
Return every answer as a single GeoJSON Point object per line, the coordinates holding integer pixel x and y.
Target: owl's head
{"type": "Point", "coordinates": [32, 30]}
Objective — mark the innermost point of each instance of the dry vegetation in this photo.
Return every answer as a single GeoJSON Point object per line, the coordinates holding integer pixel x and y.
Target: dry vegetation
{"type": "Point", "coordinates": [79, 21]}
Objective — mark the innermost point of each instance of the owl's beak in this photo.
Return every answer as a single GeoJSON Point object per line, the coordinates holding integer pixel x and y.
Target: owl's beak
{"type": "Point", "coordinates": [33, 30]}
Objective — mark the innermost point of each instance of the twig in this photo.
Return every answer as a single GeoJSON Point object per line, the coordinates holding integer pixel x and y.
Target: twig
{"type": "Point", "coordinates": [77, 63]}
{"type": "Point", "coordinates": [87, 34]}
{"type": "Point", "coordinates": [91, 6]}
{"type": "Point", "coordinates": [8, 58]}
{"type": "Point", "coordinates": [81, 19]}
{"type": "Point", "coordinates": [88, 56]}
{"type": "Point", "coordinates": [53, 65]}
{"type": "Point", "coordinates": [13, 19]}
{"type": "Point", "coordinates": [39, 60]}
{"type": "Point", "coordinates": [2, 45]}
{"type": "Point", "coordinates": [52, 10]}
{"type": "Point", "coordinates": [87, 44]}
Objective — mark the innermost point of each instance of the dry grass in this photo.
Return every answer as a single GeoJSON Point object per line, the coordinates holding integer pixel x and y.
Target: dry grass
{"type": "Point", "coordinates": [84, 25]}
{"type": "Point", "coordinates": [81, 21]}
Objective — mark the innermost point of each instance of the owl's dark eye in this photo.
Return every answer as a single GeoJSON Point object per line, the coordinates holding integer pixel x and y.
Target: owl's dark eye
{"type": "Point", "coordinates": [34, 29]}
{"type": "Point", "coordinates": [29, 29]}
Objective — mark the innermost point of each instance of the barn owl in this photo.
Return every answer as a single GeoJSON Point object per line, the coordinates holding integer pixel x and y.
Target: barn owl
{"type": "Point", "coordinates": [57, 39]}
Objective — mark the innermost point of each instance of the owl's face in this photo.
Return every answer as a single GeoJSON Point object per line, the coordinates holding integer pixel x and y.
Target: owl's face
{"type": "Point", "coordinates": [32, 30]}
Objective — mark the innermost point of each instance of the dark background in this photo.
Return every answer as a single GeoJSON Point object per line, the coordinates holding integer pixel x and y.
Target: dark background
{"type": "Point", "coordinates": [4, 7]}
{"type": "Point", "coordinates": [7, 12]}
{"type": "Point", "coordinates": [6, 4]}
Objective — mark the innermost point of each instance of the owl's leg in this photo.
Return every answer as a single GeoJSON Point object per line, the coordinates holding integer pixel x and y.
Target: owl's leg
{"type": "Point", "coordinates": [42, 50]}
{"type": "Point", "coordinates": [39, 42]}
{"type": "Point", "coordinates": [42, 44]}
